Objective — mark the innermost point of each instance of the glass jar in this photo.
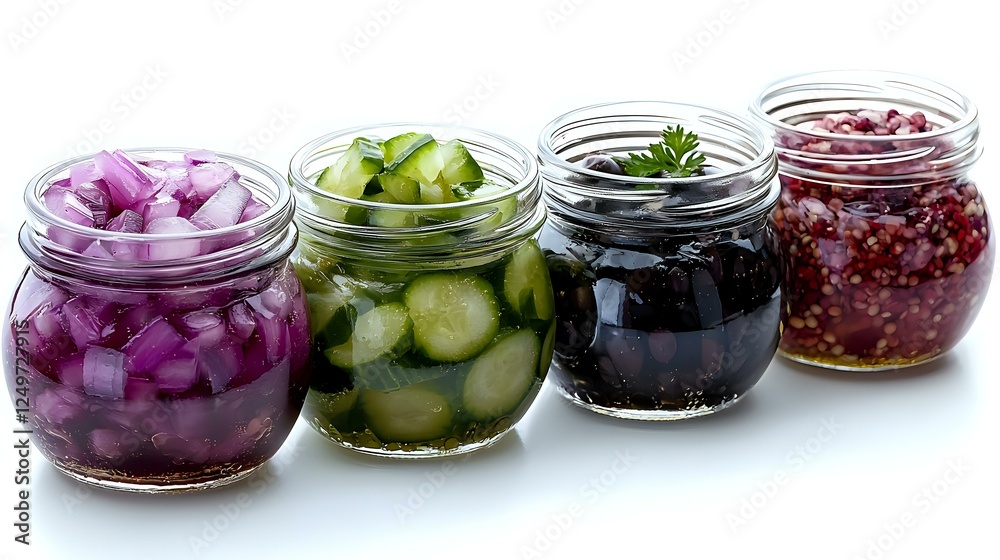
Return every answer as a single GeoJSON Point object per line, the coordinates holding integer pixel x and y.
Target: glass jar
{"type": "Point", "coordinates": [886, 239]}
{"type": "Point", "coordinates": [667, 289]}
{"type": "Point", "coordinates": [165, 375]}
{"type": "Point", "coordinates": [433, 329]}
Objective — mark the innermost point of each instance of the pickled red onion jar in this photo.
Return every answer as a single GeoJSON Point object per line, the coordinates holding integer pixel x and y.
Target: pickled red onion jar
{"type": "Point", "coordinates": [157, 362]}
{"type": "Point", "coordinates": [885, 236]}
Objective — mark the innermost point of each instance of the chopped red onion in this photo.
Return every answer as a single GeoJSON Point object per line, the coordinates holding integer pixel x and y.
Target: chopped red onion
{"type": "Point", "coordinates": [200, 156]}
{"type": "Point", "coordinates": [208, 178]}
{"type": "Point", "coordinates": [224, 208]}
{"type": "Point", "coordinates": [126, 222]}
{"type": "Point", "coordinates": [127, 181]}
{"type": "Point", "coordinates": [219, 364]}
{"type": "Point", "coordinates": [241, 321]}
{"type": "Point", "coordinates": [81, 173]}
{"type": "Point", "coordinates": [206, 326]}
{"type": "Point", "coordinates": [84, 327]}
{"type": "Point", "coordinates": [154, 344]}
{"type": "Point", "coordinates": [104, 373]}
{"type": "Point", "coordinates": [180, 372]}
{"type": "Point", "coordinates": [162, 250]}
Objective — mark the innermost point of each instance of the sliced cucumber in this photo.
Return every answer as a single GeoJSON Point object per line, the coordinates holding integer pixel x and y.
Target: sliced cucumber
{"type": "Point", "coordinates": [323, 306]}
{"type": "Point", "coordinates": [391, 218]}
{"type": "Point", "coordinates": [333, 406]}
{"type": "Point", "coordinates": [404, 190]}
{"type": "Point", "coordinates": [384, 374]}
{"type": "Point", "coordinates": [420, 160]}
{"type": "Point", "coordinates": [459, 166]}
{"type": "Point", "coordinates": [436, 193]}
{"type": "Point", "coordinates": [383, 331]}
{"type": "Point", "coordinates": [548, 350]}
{"type": "Point", "coordinates": [454, 316]}
{"type": "Point", "coordinates": [501, 376]}
{"type": "Point", "coordinates": [349, 176]}
{"type": "Point", "coordinates": [526, 283]}
{"type": "Point", "coordinates": [413, 414]}
{"type": "Point", "coordinates": [398, 145]}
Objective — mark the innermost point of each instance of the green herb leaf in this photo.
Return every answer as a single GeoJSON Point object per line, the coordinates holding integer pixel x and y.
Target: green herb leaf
{"type": "Point", "coordinates": [676, 155]}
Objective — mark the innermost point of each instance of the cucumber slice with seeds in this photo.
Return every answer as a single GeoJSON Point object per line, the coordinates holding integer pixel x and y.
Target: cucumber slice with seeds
{"type": "Point", "coordinates": [413, 414]}
{"type": "Point", "coordinates": [454, 315]}
{"type": "Point", "coordinates": [526, 283]}
{"type": "Point", "coordinates": [384, 331]}
{"type": "Point", "coordinates": [502, 375]}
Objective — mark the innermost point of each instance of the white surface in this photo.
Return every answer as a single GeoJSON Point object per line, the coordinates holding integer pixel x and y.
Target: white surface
{"type": "Point", "coordinates": [221, 76]}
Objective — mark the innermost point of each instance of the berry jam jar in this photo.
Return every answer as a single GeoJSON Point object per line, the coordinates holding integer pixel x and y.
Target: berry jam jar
{"type": "Point", "coordinates": [156, 362]}
{"type": "Point", "coordinates": [887, 243]}
{"type": "Point", "coordinates": [667, 289]}
{"type": "Point", "coordinates": [433, 322]}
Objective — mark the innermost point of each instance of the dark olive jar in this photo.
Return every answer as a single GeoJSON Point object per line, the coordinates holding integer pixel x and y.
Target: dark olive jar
{"type": "Point", "coordinates": [667, 290]}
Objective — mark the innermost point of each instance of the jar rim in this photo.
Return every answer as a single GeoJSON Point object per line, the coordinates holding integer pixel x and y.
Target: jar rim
{"type": "Point", "coordinates": [865, 81]}
{"type": "Point", "coordinates": [763, 144]}
{"type": "Point", "coordinates": [42, 181]}
{"type": "Point", "coordinates": [253, 252]}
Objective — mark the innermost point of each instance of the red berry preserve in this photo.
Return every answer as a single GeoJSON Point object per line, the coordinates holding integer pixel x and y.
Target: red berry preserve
{"type": "Point", "coordinates": [886, 239]}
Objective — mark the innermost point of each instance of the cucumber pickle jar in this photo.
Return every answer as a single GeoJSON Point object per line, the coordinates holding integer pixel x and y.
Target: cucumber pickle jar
{"type": "Point", "coordinates": [666, 288]}
{"type": "Point", "coordinates": [430, 300]}
{"type": "Point", "coordinates": [157, 340]}
{"type": "Point", "coordinates": [887, 242]}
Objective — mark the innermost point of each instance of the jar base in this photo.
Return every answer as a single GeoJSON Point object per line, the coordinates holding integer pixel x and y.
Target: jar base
{"type": "Point", "coordinates": [836, 364]}
{"type": "Point", "coordinates": [647, 415]}
{"type": "Point", "coordinates": [423, 452]}
{"type": "Point", "coordinates": [160, 485]}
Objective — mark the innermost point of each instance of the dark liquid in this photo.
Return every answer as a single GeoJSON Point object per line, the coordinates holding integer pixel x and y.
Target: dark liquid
{"type": "Point", "coordinates": [670, 325]}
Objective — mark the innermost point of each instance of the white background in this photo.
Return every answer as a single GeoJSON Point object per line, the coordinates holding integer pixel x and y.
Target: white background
{"type": "Point", "coordinates": [214, 73]}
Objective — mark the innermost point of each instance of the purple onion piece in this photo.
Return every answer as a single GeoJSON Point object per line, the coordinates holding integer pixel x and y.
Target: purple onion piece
{"type": "Point", "coordinates": [241, 321]}
{"type": "Point", "coordinates": [106, 443]}
{"type": "Point", "coordinates": [220, 364]}
{"type": "Point", "coordinates": [84, 328]}
{"type": "Point", "coordinates": [126, 222]}
{"type": "Point", "coordinates": [162, 250]}
{"type": "Point", "coordinates": [104, 373]}
{"type": "Point", "coordinates": [70, 371]}
{"type": "Point", "coordinates": [224, 208]}
{"type": "Point", "coordinates": [254, 209]}
{"type": "Point", "coordinates": [272, 303]}
{"type": "Point", "coordinates": [207, 178]}
{"type": "Point", "coordinates": [200, 156]}
{"type": "Point", "coordinates": [128, 183]}
{"type": "Point", "coordinates": [81, 173]}
{"type": "Point", "coordinates": [97, 198]}
{"type": "Point", "coordinates": [57, 405]}
{"type": "Point", "coordinates": [163, 206]}
{"type": "Point", "coordinates": [179, 372]}
{"type": "Point", "coordinates": [156, 343]}
{"type": "Point", "coordinates": [68, 206]}
{"type": "Point", "coordinates": [206, 326]}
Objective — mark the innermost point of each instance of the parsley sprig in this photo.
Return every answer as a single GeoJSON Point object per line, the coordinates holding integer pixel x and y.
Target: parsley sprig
{"type": "Point", "coordinates": [676, 156]}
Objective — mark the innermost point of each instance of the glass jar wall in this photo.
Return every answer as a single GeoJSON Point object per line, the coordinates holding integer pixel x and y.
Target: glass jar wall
{"type": "Point", "coordinates": [666, 289]}
{"type": "Point", "coordinates": [886, 238]}
{"type": "Point", "coordinates": [432, 322]}
{"type": "Point", "coordinates": [152, 374]}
